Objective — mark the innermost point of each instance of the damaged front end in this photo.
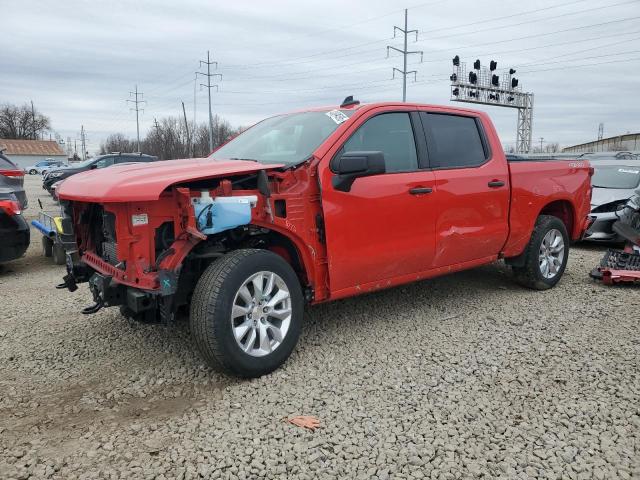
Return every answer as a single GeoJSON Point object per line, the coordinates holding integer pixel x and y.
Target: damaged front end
{"type": "Point", "coordinates": [146, 257]}
{"type": "Point", "coordinates": [131, 253]}
{"type": "Point", "coordinates": [619, 266]}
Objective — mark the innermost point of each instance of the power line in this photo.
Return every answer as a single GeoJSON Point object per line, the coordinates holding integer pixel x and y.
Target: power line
{"type": "Point", "coordinates": [535, 20]}
{"type": "Point", "coordinates": [495, 19]}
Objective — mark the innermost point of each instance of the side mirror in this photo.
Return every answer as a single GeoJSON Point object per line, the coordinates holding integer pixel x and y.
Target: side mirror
{"type": "Point", "coordinates": [351, 165]}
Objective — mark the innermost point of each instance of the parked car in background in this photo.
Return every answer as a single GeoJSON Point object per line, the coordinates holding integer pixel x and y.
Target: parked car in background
{"type": "Point", "coordinates": [12, 182]}
{"type": "Point", "coordinates": [14, 230]}
{"type": "Point", "coordinates": [44, 166]}
{"type": "Point", "coordinates": [613, 182]}
{"type": "Point", "coordinates": [610, 156]}
{"type": "Point", "coordinates": [101, 161]}
{"type": "Point", "coordinates": [314, 206]}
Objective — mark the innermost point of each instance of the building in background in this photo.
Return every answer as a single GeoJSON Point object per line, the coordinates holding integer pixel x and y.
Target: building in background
{"type": "Point", "coordinates": [29, 152]}
{"type": "Point", "coordinates": [629, 142]}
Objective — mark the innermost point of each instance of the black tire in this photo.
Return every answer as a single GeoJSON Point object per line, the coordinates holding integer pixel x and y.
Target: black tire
{"type": "Point", "coordinates": [33, 171]}
{"type": "Point", "coordinates": [210, 315]}
{"type": "Point", "coordinates": [47, 246]}
{"type": "Point", "coordinates": [59, 256]}
{"type": "Point", "coordinates": [530, 274]}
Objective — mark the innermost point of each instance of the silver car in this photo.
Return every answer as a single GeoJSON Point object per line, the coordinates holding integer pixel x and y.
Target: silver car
{"type": "Point", "coordinates": [613, 182]}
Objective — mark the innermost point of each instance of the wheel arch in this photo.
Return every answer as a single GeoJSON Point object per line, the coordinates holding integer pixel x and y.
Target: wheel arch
{"type": "Point", "coordinates": [564, 210]}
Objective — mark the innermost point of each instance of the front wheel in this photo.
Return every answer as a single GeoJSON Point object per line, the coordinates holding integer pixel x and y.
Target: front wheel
{"type": "Point", "coordinates": [33, 171]}
{"type": "Point", "coordinates": [246, 312]}
{"type": "Point", "coordinates": [546, 255]}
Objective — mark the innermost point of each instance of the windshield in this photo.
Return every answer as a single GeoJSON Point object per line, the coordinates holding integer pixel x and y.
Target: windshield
{"type": "Point", "coordinates": [86, 163]}
{"type": "Point", "coordinates": [616, 176]}
{"type": "Point", "coordinates": [288, 139]}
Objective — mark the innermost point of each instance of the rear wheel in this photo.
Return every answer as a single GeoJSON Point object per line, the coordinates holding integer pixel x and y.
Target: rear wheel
{"type": "Point", "coordinates": [47, 246]}
{"type": "Point", "coordinates": [33, 171]}
{"type": "Point", "coordinates": [246, 313]}
{"type": "Point", "coordinates": [546, 254]}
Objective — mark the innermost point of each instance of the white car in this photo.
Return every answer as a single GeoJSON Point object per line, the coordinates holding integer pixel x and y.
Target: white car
{"type": "Point", "coordinates": [44, 166]}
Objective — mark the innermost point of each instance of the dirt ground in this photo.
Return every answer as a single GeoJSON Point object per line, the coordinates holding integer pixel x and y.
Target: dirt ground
{"type": "Point", "coordinates": [465, 376]}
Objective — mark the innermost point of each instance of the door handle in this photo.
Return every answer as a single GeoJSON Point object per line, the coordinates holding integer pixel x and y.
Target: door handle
{"type": "Point", "coordinates": [420, 190]}
{"type": "Point", "coordinates": [496, 183]}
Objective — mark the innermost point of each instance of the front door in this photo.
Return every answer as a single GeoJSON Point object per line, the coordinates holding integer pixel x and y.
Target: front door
{"type": "Point", "coordinates": [384, 226]}
{"type": "Point", "coordinates": [472, 202]}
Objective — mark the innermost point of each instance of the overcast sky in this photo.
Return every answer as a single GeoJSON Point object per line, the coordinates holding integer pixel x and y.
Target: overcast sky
{"type": "Point", "coordinates": [78, 60]}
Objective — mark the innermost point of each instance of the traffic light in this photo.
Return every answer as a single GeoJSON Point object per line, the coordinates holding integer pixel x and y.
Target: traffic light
{"type": "Point", "coordinates": [514, 82]}
{"type": "Point", "coordinates": [456, 91]}
{"type": "Point", "coordinates": [473, 78]}
{"type": "Point", "coordinates": [493, 65]}
{"type": "Point", "coordinates": [456, 61]}
{"type": "Point", "coordinates": [453, 77]}
{"type": "Point", "coordinates": [495, 80]}
{"type": "Point", "coordinates": [476, 64]}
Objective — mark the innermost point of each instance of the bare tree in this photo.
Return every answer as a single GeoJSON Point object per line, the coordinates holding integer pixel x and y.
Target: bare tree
{"type": "Point", "coordinates": [22, 123]}
{"type": "Point", "coordinates": [553, 147]}
{"type": "Point", "coordinates": [168, 139]}
{"type": "Point", "coordinates": [117, 142]}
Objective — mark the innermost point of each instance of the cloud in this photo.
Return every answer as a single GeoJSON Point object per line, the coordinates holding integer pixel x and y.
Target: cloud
{"type": "Point", "coordinates": [79, 60]}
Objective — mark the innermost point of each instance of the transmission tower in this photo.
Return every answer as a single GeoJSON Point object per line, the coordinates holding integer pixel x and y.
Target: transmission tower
{"type": "Point", "coordinates": [136, 101]}
{"type": "Point", "coordinates": [83, 139]}
{"type": "Point", "coordinates": [482, 85]}
{"type": "Point", "coordinates": [600, 131]}
{"type": "Point", "coordinates": [406, 32]}
{"type": "Point", "coordinates": [209, 86]}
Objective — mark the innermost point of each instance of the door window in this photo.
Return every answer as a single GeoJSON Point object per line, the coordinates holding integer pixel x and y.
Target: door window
{"type": "Point", "coordinates": [391, 134]}
{"type": "Point", "coordinates": [454, 141]}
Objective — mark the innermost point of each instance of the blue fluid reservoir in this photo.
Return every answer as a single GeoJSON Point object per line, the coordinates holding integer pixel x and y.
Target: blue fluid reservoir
{"type": "Point", "coordinates": [216, 215]}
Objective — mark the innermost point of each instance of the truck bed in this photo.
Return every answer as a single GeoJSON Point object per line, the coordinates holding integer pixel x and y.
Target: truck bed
{"type": "Point", "coordinates": [548, 185]}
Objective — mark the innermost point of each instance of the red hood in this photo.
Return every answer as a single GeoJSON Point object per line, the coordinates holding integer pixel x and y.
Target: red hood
{"type": "Point", "coordinates": [146, 181]}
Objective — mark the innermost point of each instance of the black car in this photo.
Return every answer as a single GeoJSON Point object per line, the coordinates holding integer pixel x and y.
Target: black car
{"type": "Point", "coordinates": [14, 229]}
{"type": "Point", "coordinates": [12, 181]}
{"type": "Point", "coordinates": [55, 176]}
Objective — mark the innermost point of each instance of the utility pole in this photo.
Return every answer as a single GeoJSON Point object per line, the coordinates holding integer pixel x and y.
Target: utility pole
{"type": "Point", "coordinates": [193, 140]}
{"type": "Point", "coordinates": [136, 102]}
{"type": "Point", "coordinates": [405, 53]}
{"type": "Point", "coordinates": [186, 126]}
{"type": "Point", "coordinates": [84, 144]}
{"type": "Point", "coordinates": [156, 125]}
{"type": "Point", "coordinates": [208, 86]}
{"type": "Point", "coordinates": [541, 142]}
{"type": "Point", "coordinates": [33, 121]}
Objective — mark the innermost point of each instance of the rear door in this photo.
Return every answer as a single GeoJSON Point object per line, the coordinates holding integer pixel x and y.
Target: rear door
{"type": "Point", "coordinates": [472, 204]}
{"type": "Point", "coordinates": [383, 227]}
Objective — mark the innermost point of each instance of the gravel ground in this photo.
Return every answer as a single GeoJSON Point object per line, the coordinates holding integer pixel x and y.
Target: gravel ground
{"type": "Point", "coordinates": [464, 376]}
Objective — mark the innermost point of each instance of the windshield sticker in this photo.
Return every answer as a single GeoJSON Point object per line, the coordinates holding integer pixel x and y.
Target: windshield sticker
{"type": "Point", "coordinates": [337, 116]}
{"type": "Point", "coordinates": [624, 170]}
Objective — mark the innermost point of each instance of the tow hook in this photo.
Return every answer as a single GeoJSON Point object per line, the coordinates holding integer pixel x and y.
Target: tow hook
{"type": "Point", "coordinates": [93, 308]}
{"type": "Point", "coordinates": [68, 282]}
{"type": "Point", "coordinates": [97, 298]}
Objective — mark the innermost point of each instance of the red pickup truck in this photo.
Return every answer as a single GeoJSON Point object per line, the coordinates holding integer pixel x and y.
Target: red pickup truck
{"type": "Point", "coordinates": [314, 206]}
